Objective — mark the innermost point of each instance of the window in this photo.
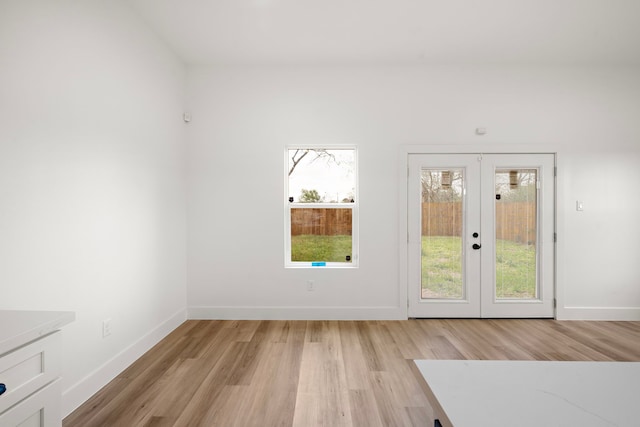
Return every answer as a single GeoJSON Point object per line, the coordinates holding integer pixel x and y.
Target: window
{"type": "Point", "coordinates": [321, 207]}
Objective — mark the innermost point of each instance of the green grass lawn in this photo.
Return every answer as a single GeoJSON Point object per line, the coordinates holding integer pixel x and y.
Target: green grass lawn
{"type": "Point", "coordinates": [441, 263]}
{"type": "Point", "coordinates": [515, 270]}
{"type": "Point", "coordinates": [442, 268]}
{"type": "Point", "coordinates": [320, 248]}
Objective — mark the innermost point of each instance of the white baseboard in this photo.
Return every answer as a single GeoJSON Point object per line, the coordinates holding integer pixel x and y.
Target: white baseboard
{"type": "Point", "coordinates": [598, 313]}
{"type": "Point", "coordinates": [79, 392]}
{"type": "Point", "coordinates": [297, 313]}
{"type": "Point", "coordinates": [380, 313]}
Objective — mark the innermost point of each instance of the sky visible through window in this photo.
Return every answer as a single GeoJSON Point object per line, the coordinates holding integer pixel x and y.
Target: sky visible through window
{"type": "Point", "coordinates": [331, 172]}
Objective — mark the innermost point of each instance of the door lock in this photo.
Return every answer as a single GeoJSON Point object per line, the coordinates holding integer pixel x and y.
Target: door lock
{"type": "Point", "coordinates": [476, 246]}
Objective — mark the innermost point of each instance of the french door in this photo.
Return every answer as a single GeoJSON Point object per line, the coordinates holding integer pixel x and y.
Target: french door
{"type": "Point", "coordinates": [481, 235]}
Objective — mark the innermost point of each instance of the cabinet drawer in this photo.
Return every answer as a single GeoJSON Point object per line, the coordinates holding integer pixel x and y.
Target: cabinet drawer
{"type": "Point", "coordinates": [41, 409]}
{"type": "Point", "coordinates": [27, 369]}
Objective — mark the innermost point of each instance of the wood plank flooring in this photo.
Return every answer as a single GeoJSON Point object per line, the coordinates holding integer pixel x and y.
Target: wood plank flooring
{"type": "Point", "coordinates": [324, 373]}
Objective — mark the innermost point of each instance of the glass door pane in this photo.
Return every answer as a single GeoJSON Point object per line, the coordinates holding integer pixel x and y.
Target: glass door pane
{"type": "Point", "coordinates": [442, 231]}
{"type": "Point", "coordinates": [516, 230]}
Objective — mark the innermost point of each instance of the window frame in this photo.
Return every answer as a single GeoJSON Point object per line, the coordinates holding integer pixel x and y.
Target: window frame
{"type": "Point", "coordinates": [354, 206]}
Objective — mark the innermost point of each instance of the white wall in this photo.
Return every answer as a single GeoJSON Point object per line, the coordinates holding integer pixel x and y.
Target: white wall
{"type": "Point", "coordinates": [244, 116]}
{"type": "Point", "coordinates": [92, 207]}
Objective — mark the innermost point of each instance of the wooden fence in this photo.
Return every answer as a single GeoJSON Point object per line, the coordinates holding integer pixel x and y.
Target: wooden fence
{"type": "Point", "coordinates": [515, 221]}
{"type": "Point", "coordinates": [321, 221]}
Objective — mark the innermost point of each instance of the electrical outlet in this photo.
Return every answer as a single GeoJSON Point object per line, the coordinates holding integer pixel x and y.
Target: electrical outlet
{"type": "Point", "coordinates": [106, 328]}
{"type": "Point", "coordinates": [311, 285]}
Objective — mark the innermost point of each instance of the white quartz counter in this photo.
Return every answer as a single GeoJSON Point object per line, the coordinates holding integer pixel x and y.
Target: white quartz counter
{"type": "Point", "coordinates": [530, 393]}
{"type": "Point", "coordinates": [20, 327]}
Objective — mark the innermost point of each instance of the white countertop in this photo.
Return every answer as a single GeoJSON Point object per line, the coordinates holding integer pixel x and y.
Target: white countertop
{"type": "Point", "coordinates": [530, 393]}
{"type": "Point", "coordinates": [20, 327]}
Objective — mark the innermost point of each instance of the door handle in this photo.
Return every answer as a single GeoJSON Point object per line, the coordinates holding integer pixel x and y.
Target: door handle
{"type": "Point", "coordinates": [3, 388]}
{"type": "Point", "coordinates": [476, 246]}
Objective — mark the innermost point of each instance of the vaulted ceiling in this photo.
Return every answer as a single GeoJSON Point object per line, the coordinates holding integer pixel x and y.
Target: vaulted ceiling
{"type": "Point", "coordinates": [397, 31]}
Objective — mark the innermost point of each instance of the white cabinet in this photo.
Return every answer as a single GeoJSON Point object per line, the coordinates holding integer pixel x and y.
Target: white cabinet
{"type": "Point", "coordinates": [40, 409]}
{"type": "Point", "coordinates": [30, 367]}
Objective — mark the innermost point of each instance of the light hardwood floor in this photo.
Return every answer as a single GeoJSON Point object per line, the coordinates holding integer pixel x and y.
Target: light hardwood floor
{"type": "Point", "coordinates": [329, 373]}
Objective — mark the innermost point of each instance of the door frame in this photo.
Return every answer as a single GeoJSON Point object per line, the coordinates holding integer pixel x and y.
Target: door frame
{"type": "Point", "coordinates": [403, 223]}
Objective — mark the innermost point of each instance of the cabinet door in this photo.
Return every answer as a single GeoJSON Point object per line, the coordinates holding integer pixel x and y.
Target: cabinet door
{"type": "Point", "coordinates": [29, 368]}
{"type": "Point", "coordinates": [41, 409]}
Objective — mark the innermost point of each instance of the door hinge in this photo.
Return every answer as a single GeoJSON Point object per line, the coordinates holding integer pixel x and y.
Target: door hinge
{"type": "Point", "coordinates": [555, 303]}
{"type": "Point", "coordinates": [555, 237]}
{"type": "Point", "coordinates": [408, 172]}
{"type": "Point", "coordinates": [555, 171]}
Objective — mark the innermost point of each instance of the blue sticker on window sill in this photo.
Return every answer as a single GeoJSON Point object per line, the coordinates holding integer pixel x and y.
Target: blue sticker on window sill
{"type": "Point", "coordinates": [319, 264]}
